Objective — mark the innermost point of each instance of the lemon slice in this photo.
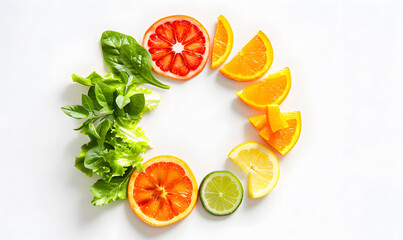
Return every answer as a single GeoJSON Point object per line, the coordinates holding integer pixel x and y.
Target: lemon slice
{"type": "Point", "coordinates": [260, 163]}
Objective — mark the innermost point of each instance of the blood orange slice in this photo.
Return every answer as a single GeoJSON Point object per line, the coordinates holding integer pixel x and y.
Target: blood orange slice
{"type": "Point", "coordinates": [164, 193]}
{"type": "Point", "coordinates": [179, 46]}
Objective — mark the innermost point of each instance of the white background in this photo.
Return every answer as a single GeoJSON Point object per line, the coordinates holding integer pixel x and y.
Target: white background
{"type": "Point", "coordinates": [343, 179]}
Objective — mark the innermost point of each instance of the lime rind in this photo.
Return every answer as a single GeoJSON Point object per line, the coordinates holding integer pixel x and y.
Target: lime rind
{"type": "Point", "coordinates": [221, 193]}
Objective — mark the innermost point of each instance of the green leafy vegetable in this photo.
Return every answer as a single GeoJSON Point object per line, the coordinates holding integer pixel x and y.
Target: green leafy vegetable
{"type": "Point", "coordinates": [105, 192]}
{"type": "Point", "coordinates": [111, 111]}
{"type": "Point", "coordinates": [75, 111]}
{"type": "Point", "coordinates": [122, 53]}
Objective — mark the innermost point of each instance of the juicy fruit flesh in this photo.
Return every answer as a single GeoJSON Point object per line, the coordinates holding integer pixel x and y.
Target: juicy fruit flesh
{"type": "Point", "coordinates": [284, 139]}
{"type": "Point", "coordinates": [221, 193]}
{"type": "Point", "coordinates": [250, 60]}
{"type": "Point", "coordinates": [220, 42]}
{"type": "Point", "coordinates": [266, 91]}
{"type": "Point", "coordinates": [177, 47]}
{"type": "Point", "coordinates": [275, 118]}
{"type": "Point", "coordinates": [259, 122]}
{"type": "Point", "coordinates": [260, 164]}
{"type": "Point", "coordinates": [257, 163]}
{"type": "Point", "coordinates": [281, 139]}
{"type": "Point", "coordinates": [163, 191]}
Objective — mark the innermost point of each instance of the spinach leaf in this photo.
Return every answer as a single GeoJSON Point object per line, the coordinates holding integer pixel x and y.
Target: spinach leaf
{"type": "Point", "coordinates": [136, 104]}
{"type": "Point", "coordinates": [138, 61]}
{"type": "Point", "coordinates": [122, 101]}
{"type": "Point", "coordinates": [111, 43]}
{"type": "Point", "coordinates": [123, 54]}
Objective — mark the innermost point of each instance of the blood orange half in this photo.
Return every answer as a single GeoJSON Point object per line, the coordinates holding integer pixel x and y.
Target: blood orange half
{"type": "Point", "coordinates": [164, 193]}
{"type": "Point", "coordinates": [179, 46]}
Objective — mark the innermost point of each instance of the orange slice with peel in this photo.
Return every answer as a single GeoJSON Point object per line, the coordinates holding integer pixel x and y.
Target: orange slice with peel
{"type": "Point", "coordinates": [164, 193]}
{"type": "Point", "coordinates": [284, 139]}
{"type": "Point", "coordinates": [252, 62]}
{"type": "Point", "coordinates": [258, 122]}
{"type": "Point", "coordinates": [222, 43]}
{"type": "Point", "coordinates": [271, 90]}
{"type": "Point", "coordinates": [275, 119]}
{"type": "Point", "coordinates": [179, 46]}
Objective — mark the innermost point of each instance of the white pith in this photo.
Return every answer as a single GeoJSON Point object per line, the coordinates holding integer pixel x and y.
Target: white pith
{"type": "Point", "coordinates": [178, 47]}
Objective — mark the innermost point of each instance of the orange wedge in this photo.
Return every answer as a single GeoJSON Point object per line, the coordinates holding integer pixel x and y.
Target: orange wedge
{"type": "Point", "coordinates": [272, 90]}
{"type": "Point", "coordinates": [252, 62]}
{"type": "Point", "coordinates": [258, 122]}
{"type": "Point", "coordinates": [164, 193]}
{"type": "Point", "coordinates": [222, 43]}
{"type": "Point", "coordinates": [284, 139]}
{"type": "Point", "coordinates": [275, 119]}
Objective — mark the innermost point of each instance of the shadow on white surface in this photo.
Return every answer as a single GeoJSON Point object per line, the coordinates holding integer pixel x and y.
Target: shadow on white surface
{"type": "Point", "coordinates": [228, 83]}
{"type": "Point", "coordinates": [142, 227]}
{"type": "Point", "coordinates": [81, 183]}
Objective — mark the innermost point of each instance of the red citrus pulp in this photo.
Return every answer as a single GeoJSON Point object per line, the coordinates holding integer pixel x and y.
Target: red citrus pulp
{"type": "Point", "coordinates": [179, 46]}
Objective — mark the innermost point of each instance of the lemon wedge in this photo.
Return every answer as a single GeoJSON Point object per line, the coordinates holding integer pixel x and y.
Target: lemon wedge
{"type": "Point", "coordinates": [260, 164]}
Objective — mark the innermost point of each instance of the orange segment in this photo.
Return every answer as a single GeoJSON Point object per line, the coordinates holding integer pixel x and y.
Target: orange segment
{"type": "Point", "coordinates": [275, 119]}
{"type": "Point", "coordinates": [252, 62]}
{"type": "Point", "coordinates": [164, 193]}
{"type": "Point", "coordinates": [284, 139]}
{"type": "Point", "coordinates": [272, 90]}
{"type": "Point", "coordinates": [222, 43]}
{"type": "Point", "coordinates": [258, 122]}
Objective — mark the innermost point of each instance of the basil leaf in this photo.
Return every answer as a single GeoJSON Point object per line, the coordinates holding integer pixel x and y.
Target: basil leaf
{"type": "Point", "coordinates": [75, 111]}
{"type": "Point", "coordinates": [106, 111]}
{"type": "Point", "coordinates": [103, 94]}
{"type": "Point", "coordinates": [103, 128]}
{"type": "Point", "coordinates": [136, 104]}
{"type": "Point", "coordinates": [87, 103]}
{"type": "Point", "coordinates": [93, 132]}
{"type": "Point", "coordinates": [91, 94]}
{"type": "Point", "coordinates": [138, 61]}
{"type": "Point", "coordinates": [113, 84]}
{"type": "Point", "coordinates": [84, 124]}
{"type": "Point", "coordinates": [82, 80]}
{"type": "Point", "coordinates": [95, 77]}
{"type": "Point", "coordinates": [122, 101]}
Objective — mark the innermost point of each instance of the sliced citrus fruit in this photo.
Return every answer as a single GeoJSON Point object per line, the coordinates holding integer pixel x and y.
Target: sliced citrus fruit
{"type": "Point", "coordinates": [271, 90]}
{"type": "Point", "coordinates": [258, 122]}
{"type": "Point", "coordinates": [284, 139]}
{"type": "Point", "coordinates": [254, 60]}
{"type": "Point", "coordinates": [222, 43]}
{"type": "Point", "coordinates": [221, 193]}
{"type": "Point", "coordinates": [275, 118]}
{"type": "Point", "coordinates": [164, 193]}
{"type": "Point", "coordinates": [260, 163]}
{"type": "Point", "coordinates": [179, 46]}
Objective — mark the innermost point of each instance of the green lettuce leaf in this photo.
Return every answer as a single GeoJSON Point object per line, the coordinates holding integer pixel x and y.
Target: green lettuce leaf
{"type": "Point", "coordinates": [128, 131]}
{"type": "Point", "coordinates": [105, 192]}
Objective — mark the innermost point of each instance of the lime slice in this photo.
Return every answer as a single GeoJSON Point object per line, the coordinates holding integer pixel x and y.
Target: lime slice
{"type": "Point", "coordinates": [221, 193]}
